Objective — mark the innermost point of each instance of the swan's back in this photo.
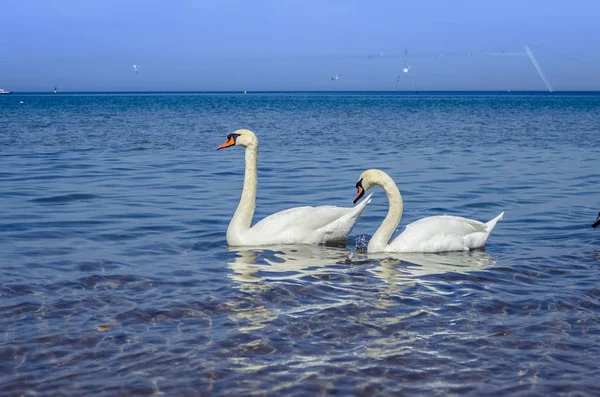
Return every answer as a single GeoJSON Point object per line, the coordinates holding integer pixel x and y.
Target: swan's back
{"type": "Point", "coordinates": [311, 218]}
{"type": "Point", "coordinates": [443, 233]}
{"type": "Point", "coordinates": [307, 225]}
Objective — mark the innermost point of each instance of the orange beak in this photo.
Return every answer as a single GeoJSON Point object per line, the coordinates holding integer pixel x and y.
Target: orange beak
{"type": "Point", "coordinates": [230, 142]}
{"type": "Point", "coordinates": [359, 194]}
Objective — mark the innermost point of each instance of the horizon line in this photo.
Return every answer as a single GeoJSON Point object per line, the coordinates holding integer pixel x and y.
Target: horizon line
{"type": "Point", "coordinates": [299, 91]}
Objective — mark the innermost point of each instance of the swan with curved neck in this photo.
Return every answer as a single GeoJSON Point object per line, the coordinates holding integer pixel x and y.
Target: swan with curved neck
{"type": "Point", "coordinates": [431, 234]}
{"type": "Point", "coordinates": [301, 225]}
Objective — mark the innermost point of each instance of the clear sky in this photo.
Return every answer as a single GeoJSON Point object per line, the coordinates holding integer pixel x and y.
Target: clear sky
{"type": "Point", "coordinates": [91, 45]}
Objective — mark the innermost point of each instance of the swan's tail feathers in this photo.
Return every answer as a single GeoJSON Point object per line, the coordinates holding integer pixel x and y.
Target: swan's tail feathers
{"type": "Point", "coordinates": [358, 209]}
{"type": "Point", "coordinates": [340, 228]}
{"type": "Point", "coordinates": [491, 224]}
{"type": "Point", "coordinates": [363, 203]}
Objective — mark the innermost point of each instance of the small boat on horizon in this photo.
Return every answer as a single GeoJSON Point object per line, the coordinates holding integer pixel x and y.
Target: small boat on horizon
{"type": "Point", "coordinates": [3, 91]}
{"type": "Point", "coordinates": [55, 89]}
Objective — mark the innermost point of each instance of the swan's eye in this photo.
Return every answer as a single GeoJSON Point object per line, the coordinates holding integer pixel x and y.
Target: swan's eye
{"type": "Point", "coordinates": [359, 183]}
{"type": "Point", "coordinates": [230, 141]}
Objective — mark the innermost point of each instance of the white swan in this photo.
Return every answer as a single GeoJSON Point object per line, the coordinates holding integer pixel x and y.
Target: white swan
{"type": "Point", "coordinates": [431, 234]}
{"type": "Point", "coordinates": [301, 225]}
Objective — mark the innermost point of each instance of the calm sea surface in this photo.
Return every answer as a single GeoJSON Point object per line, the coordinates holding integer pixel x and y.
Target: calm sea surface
{"type": "Point", "coordinates": [116, 279]}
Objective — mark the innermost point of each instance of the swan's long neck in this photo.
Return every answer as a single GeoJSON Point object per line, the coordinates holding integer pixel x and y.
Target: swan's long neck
{"type": "Point", "coordinates": [382, 236]}
{"type": "Point", "coordinates": [242, 219]}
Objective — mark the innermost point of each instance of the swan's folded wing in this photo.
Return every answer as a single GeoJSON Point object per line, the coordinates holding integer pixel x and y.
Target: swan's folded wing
{"type": "Point", "coordinates": [308, 225]}
{"type": "Point", "coordinates": [446, 224]}
{"type": "Point", "coordinates": [443, 233]}
{"type": "Point", "coordinates": [307, 218]}
{"type": "Point", "coordinates": [436, 234]}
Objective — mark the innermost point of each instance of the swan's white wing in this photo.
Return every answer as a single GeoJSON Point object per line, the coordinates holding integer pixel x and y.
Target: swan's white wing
{"type": "Point", "coordinates": [439, 234]}
{"type": "Point", "coordinates": [307, 225]}
{"type": "Point", "coordinates": [311, 218]}
{"type": "Point", "coordinates": [448, 224]}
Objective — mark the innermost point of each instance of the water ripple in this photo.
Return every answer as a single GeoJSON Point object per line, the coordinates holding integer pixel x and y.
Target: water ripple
{"type": "Point", "coordinates": [117, 280]}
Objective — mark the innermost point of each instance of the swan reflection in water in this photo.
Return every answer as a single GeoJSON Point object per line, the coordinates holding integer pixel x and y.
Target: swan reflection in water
{"type": "Point", "coordinates": [277, 263]}
{"type": "Point", "coordinates": [402, 266]}
{"type": "Point", "coordinates": [266, 276]}
{"type": "Point", "coordinates": [253, 266]}
{"type": "Point", "coordinates": [258, 270]}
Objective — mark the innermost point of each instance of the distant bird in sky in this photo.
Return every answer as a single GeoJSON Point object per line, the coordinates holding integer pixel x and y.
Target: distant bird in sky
{"type": "Point", "coordinates": [136, 69]}
{"type": "Point", "coordinates": [336, 76]}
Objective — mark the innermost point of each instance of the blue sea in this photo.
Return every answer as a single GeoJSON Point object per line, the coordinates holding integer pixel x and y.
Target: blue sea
{"type": "Point", "coordinates": [116, 278]}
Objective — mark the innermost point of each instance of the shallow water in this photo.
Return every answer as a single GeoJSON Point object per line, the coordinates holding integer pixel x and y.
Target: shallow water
{"type": "Point", "coordinates": [116, 277]}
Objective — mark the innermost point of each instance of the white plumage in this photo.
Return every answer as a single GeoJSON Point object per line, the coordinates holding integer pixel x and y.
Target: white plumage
{"type": "Point", "coordinates": [431, 234]}
{"type": "Point", "coordinates": [301, 225]}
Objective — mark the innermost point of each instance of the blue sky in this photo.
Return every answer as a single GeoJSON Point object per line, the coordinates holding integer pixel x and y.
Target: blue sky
{"type": "Point", "coordinates": [296, 45]}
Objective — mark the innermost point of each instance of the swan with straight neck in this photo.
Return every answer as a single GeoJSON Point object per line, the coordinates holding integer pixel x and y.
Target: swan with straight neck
{"type": "Point", "coordinates": [301, 225]}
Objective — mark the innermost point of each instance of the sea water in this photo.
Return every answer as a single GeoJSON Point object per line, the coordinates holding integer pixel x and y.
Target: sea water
{"type": "Point", "coordinates": [116, 278]}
